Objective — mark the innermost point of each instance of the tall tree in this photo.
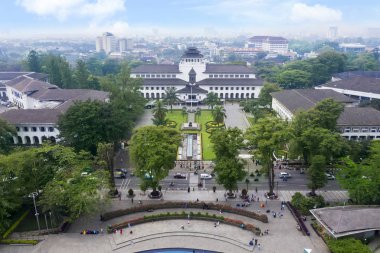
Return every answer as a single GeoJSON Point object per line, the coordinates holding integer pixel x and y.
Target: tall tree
{"type": "Point", "coordinates": [81, 75]}
{"type": "Point", "coordinates": [33, 61]}
{"type": "Point", "coordinates": [153, 151]}
{"type": "Point", "coordinates": [316, 173]}
{"type": "Point", "coordinates": [7, 132]}
{"type": "Point", "coordinates": [219, 113]}
{"type": "Point", "coordinates": [264, 97]}
{"type": "Point", "coordinates": [229, 172]}
{"type": "Point", "coordinates": [268, 136]}
{"type": "Point", "coordinates": [159, 114]}
{"type": "Point", "coordinates": [171, 97]}
{"type": "Point", "coordinates": [212, 100]}
{"type": "Point", "coordinates": [294, 79]}
{"type": "Point", "coordinates": [334, 61]}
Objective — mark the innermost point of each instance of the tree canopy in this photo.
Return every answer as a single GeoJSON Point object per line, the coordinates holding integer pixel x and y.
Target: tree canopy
{"type": "Point", "coordinates": [212, 100]}
{"type": "Point", "coordinates": [219, 113]}
{"type": "Point", "coordinates": [159, 114]}
{"type": "Point", "coordinates": [7, 132]}
{"type": "Point", "coordinates": [153, 151]}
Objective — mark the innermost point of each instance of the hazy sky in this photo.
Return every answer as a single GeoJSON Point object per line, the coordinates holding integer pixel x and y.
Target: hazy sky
{"type": "Point", "coordinates": [23, 18]}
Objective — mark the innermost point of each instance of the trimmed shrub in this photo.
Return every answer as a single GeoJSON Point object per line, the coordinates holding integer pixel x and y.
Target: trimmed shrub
{"type": "Point", "coordinates": [178, 205]}
{"type": "Point", "coordinates": [171, 123]}
{"type": "Point", "coordinates": [18, 241]}
{"type": "Point", "coordinates": [347, 245]}
{"type": "Point", "coordinates": [130, 192]}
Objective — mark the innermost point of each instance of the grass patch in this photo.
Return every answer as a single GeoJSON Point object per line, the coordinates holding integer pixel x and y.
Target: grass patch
{"type": "Point", "coordinates": [251, 121]}
{"type": "Point", "coordinates": [207, 151]}
{"type": "Point", "coordinates": [177, 116]}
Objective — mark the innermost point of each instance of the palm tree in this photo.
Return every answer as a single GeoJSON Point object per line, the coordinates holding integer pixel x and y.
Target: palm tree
{"type": "Point", "coordinates": [219, 113]}
{"type": "Point", "coordinates": [212, 100]}
{"type": "Point", "coordinates": [171, 97]}
{"type": "Point", "coordinates": [159, 114]}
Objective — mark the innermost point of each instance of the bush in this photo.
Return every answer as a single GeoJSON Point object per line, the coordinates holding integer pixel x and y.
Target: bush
{"type": "Point", "coordinates": [13, 227]}
{"type": "Point", "coordinates": [304, 204]}
{"type": "Point", "coordinates": [171, 123]}
{"type": "Point", "coordinates": [18, 241]}
{"type": "Point", "coordinates": [347, 245]}
{"type": "Point", "coordinates": [130, 192]}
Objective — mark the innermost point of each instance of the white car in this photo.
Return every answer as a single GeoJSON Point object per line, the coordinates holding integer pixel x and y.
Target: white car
{"type": "Point", "coordinates": [285, 175]}
{"type": "Point", "coordinates": [329, 176]}
{"type": "Point", "coordinates": [206, 176]}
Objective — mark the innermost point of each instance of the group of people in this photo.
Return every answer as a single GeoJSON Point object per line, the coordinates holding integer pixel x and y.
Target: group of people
{"type": "Point", "coordinates": [254, 243]}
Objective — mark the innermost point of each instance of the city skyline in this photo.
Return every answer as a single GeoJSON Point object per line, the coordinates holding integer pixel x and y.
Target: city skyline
{"type": "Point", "coordinates": [212, 18]}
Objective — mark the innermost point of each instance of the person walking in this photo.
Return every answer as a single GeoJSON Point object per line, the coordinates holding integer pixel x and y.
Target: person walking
{"type": "Point", "coordinates": [132, 200]}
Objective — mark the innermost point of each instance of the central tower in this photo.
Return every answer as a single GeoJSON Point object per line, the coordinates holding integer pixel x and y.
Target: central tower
{"type": "Point", "coordinates": [192, 63]}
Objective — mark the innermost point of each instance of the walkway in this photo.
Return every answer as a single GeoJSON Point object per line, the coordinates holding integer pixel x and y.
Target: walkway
{"type": "Point", "coordinates": [235, 116]}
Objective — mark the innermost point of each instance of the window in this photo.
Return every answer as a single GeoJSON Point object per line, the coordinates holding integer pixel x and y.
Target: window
{"type": "Point", "coordinates": [51, 129]}
{"type": "Point", "coordinates": [168, 76]}
{"type": "Point", "coordinates": [173, 76]}
{"type": "Point", "coordinates": [42, 129]}
{"type": "Point", "coordinates": [158, 75]}
{"type": "Point", "coordinates": [211, 88]}
{"type": "Point", "coordinates": [221, 88]}
{"type": "Point", "coordinates": [147, 75]}
{"type": "Point", "coordinates": [236, 75]}
{"type": "Point", "coordinates": [137, 75]}
{"type": "Point", "coordinates": [237, 88]}
{"type": "Point", "coordinates": [151, 88]}
{"type": "Point", "coordinates": [210, 76]}
{"type": "Point", "coordinates": [355, 129]}
{"type": "Point", "coordinates": [247, 88]}
{"type": "Point", "coordinates": [221, 76]}
{"type": "Point", "coordinates": [242, 88]}
{"type": "Point", "coordinates": [231, 76]}
{"type": "Point", "coordinates": [347, 129]}
{"type": "Point", "coordinates": [253, 88]}
{"type": "Point", "coordinates": [153, 75]}
{"type": "Point", "coordinates": [364, 129]}
{"type": "Point", "coordinates": [232, 88]}
{"type": "Point", "coordinates": [147, 88]}
{"type": "Point", "coordinates": [225, 76]}
{"type": "Point", "coordinates": [373, 129]}
{"type": "Point", "coordinates": [226, 88]}
{"type": "Point", "coordinates": [142, 75]}
{"type": "Point", "coordinates": [26, 129]}
{"type": "Point", "coordinates": [216, 88]}
{"type": "Point", "coordinates": [34, 129]}
{"type": "Point", "coordinates": [162, 88]}
{"type": "Point", "coordinates": [241, 76]}
{"type": "Point", "coordinates": [157, 88]}
{"type": "Point", "coordinates": [246, 76]}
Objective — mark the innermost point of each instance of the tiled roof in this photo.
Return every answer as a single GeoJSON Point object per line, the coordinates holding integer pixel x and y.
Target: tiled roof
{"type": "Point", "coordinates": [29, 85]}
{"type": "Point", "coordinates": [359, 116]}
{"type": "Point", "coordinates": [228, 69]}
{"type": "Point", "coordinates": [192, 52]}
{"type": "Point", "coordinates": [31, 116]}
{"type": "Point", "coordinates": [164, 81]}
{"type": "Point", "coordinates": [156, 68]}
{"type": "Point", "coordinates": [6, 76]}
{"type": "Point", "coordinates": [191, 89]}
{"type": "Point", "coordinates": [351, 74]}
{"type": "Point", "coordinates": [304, 99]}
{"type": "Point", "coordinates": [232, 81]}
{"type": "Point", "coordinates": [364, 84]}
{"type": "Point", "coordinates": [268, 38]}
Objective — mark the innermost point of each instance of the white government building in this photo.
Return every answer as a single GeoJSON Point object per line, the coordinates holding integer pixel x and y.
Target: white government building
{"type": "Point", "coordinates": [38, 105]}
{"type": "Point", "coordinates": [194, 77]}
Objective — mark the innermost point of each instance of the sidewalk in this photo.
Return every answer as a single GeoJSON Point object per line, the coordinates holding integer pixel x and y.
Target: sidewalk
{"type": "Point", "coordinates": [208, 195]}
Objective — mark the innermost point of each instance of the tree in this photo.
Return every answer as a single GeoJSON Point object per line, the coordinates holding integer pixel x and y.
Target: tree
{"type": "Point", "coordinates": [159, 114]}
{"type": "Point", "coordinates": [227, 142]}
{"type": "Point", "coordinates": [7, 132]}
{"type": "Point", "coordinates": [316, 173]}
{"type": "Point", "coordinates": [212, 99]}
{"type": "Point", "coordinates": [81, 75]}
{"type": "Point", "coordinates": [334, 61]}
{"type": "Point", "coordinates": [85, 124]}
{"type": "Point", "coordinates": [362, 180]}
{"type": "Point", "coordinates": [219, 113]}
{"type": "Point", "coordinates": [268, 136]}
{"type": "Point", "coordinates": [264, 97]}
{"type": "Point", "coordinates": [33, 62]}
{"type": "Point", "coordinates": [153, 151]}
{"type": "Point", "coordinates": [347, 245]}
{"type": "Point", "coordinates": [58, 69]}
{"type": "Point", "coordinates": [106, 153]}
{"type": "Point", "coordinates": [230, 170]}
{"type": "Point", "coordinates": [294, 79]}
{"type": "Point", "coordinates": [171, 97]}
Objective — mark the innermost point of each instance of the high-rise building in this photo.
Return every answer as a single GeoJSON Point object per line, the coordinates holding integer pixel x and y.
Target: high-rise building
{"type": "Point", "coordinates": [333, 33]}
{"type": "Point", "coordinates": [106, 43]}
{"type": "Point", "coordinates": [269, 44]}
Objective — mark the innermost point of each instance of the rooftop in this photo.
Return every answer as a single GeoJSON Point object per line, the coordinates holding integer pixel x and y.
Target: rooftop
{"type": "Point", "coordinates": [191, 89]}
{"type": "Point", "coordinates": [358, 83]}
{"type": "Point", "coordinates": [164, 81]}
{"type": "Point", "coordinates": [351, 74]}
{"type": "Point", "coordinates": [6, 76]}
{"type": "Point", "coordinates": [228, 69]}
{"type": "Point", "coordinates": [359, 116]}
{"type": "Point", "coordinates": [29, 85]}
{"type": "Point", "coordinates": [268, 38]}
{"type": "Point", "coordinates": [156, 68]}
{"type": "Point", "coordinates": [232, 81]}
{"type": "Point", "coordinates": [192, 52]}
{"type": "Point", "coordinates": [305, 99]}
{"type": "Point", "coordinates": [347, 220]}
{"type": "Point", "coordinates": [31, 116]}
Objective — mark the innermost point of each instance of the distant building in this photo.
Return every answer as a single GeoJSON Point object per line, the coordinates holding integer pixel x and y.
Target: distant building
{"type": "Point", "coordinates": [7, 76]}
{"type": "Point", "coordinates": [106, 43]}
{"type": "Point", "coordinates": [194, 77]}
{"type": "Point", "coordinates": [361, 85]}
{"type": "Point", "coordinates": [355, 123]}
{"type": "Point", "coordinates": [268, 44]}
{"type": "Point", "coordinates": [352, 47]}
{"type": "Point", "coordinates": [332, 33]}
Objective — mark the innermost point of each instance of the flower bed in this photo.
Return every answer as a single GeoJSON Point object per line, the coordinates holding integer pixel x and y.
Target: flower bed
{"type": "Point", "coordinates": [184, 215]}
{"type": "Point", "coordinates": [18, 241]}
{"type": "Point", "coordinates": [171, 123]}
{"type": "Point", "coordinates": [214, 124]}
{"type": "Point", "coordinates": [199, 205]}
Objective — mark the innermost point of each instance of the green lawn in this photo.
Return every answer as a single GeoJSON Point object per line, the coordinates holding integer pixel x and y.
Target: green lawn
{"type": "Point", "coordinates": [251, 120]}
{"type": "Point", "coordinates": [207, 151]}
{"type": "Point", "coordinates": [176, 116]}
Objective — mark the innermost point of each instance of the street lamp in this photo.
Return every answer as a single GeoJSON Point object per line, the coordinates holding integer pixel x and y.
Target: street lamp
{"type": "Point", "coordinates": [191, 98]}
{"type": "Point", "coordinates": [51, 222]}
{"type": "Point", "coordinates": [34, 195]}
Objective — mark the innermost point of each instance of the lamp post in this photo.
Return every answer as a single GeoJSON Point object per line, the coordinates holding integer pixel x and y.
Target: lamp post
{"type": "Point", "coordinates": [51, 222]}
{"type": "Point", "coordinates": [191, 98]}
{"type": "Point", "coordinates": [34, 195]}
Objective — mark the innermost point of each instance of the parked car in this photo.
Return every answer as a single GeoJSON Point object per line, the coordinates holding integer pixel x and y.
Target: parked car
{"type": "Point", "coordinates": [206, 176]}
{"type": "Point", "coordinates": [180, 176]}
{"type": "Point", "coordinates": [123, 170]}
{"type": "Point", "coordinates": [118, 174]}
{"type": "Point", "coordinates": [150, 105]}
{"type": "Point", "coordinates": [329, 176]}
{"type": "Point", "coordinates": [285, 175]}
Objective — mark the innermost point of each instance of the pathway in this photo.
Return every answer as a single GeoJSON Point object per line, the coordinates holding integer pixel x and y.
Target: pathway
{"type": "Point", "coordinates": [235, 116]}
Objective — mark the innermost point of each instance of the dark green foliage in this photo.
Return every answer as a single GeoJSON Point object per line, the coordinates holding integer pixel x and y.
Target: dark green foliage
{"type": "Point", "coordinates": [212, 100]}
{"type": "Point", "coordinates": [316, 173]}
{"type": "Point", "coordinates": [347, 245]}
{"type": "Point", "coordinates": [33, 62]}
{"type": "Point", "coordinates": [304, 204]}
{"type": "Point", "coordinates": [7, 132]}
{"type": "Point", "coordinates": [159, 114]}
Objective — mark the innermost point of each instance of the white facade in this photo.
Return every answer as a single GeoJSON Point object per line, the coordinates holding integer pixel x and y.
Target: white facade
{"type": "Point", "coordinates": [281, 110]}
{"type": "Point", "coordinates": [353, 93]}
{"type": "Point", "coordinates": [34, 134]}
{"type": "Point", "coordinates": [363, 132]}
{"type": "Point", "coordinates": [268, 44]}
{"type": "Point", "coordinates": [107, 43]}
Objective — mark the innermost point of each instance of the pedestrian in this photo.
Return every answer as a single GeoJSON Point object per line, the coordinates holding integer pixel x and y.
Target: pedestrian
{"type": "Point", "coordinates": [140, 202]}
{"type": "Point", "coordinates": [129, 225]}
{"type": "Point", "coordinates": [188, 222]}
{"type": "Point", "coordinates": [131, 232]}
{"type": "Point", "coordinates": [217, 199]}
{"type": "Point", "coordinates": [101, 230]}
{"type": "Point", "coordinates": [218, 223]}
{"type": "Point", "coordinates": [215, 224]}
{"type": "Point", "coordinates": [255, 241]}
{"type": "Point", "coordinates": [132, 200]}
{"type": "Point", "coordinates": [182, 227]}
{"type": "Point", "coordinates": [121, 231]}
{"type": "Point", "coordinates": [256, 189]}
{"type": "Point", "coordinates": [259, 247]}
{"type": "Point", "coordinates": [197, 200]}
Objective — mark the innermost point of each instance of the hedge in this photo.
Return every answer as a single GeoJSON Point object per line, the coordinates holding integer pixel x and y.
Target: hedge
{"type": "Point", "coordinates": [13, 227]}
{"type": "Point", "coordinates": [18, 241]}
{"type": "Point", "coordinates": [198, 205]}
{"type": "Point", "coordinates": [184, 215]}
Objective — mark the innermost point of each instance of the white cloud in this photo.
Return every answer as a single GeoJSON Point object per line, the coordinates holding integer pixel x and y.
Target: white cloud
{"type": "Point", "coordinates": [320, 13]}
{"type": "Point", "coordinates": [62, 9]}
{"type": "Point", "coordinates": [118, 28]}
